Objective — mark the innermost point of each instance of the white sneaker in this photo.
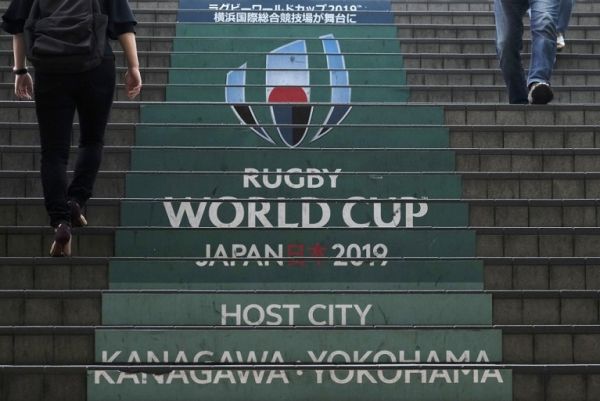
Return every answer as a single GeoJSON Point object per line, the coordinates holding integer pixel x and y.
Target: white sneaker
{"type": "Point", "coordinates": [560, 42]}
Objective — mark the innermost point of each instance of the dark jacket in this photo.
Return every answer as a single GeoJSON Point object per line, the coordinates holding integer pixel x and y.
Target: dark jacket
{"type": "Point", "coordinates": [120, 18]}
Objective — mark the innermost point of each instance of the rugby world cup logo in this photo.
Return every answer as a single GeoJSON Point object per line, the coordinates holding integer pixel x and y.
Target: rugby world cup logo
{"type": "Point", "coordinates": [287, 82]}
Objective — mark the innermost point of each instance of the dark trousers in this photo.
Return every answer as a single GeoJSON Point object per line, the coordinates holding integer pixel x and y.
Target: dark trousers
{"type": "Point", "coordinates": [57, 97]}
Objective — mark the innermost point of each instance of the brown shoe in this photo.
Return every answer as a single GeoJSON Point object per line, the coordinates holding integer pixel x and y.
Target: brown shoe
{"type": "Point", "coordinates": [62, 241]}
{"type": "Point", "coordinates": [77, 217]}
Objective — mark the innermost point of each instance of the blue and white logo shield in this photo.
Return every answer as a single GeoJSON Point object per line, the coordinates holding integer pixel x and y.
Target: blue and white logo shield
{"type": "Point", "coordinates": [287, 91]}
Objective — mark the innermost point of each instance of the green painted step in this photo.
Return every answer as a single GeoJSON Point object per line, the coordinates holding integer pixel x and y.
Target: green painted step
{"type": "Point", "coordinates": [192, 60]}
{"type": "Point", "coordinates": [182, 214]}
{"type": "Point", "coordinates": [296, 309]}
{"type": "Point", "coordinates": [298, 385]}
{"type": "Point", "coordinates": [256, 182]}
{"type": "Point", "coordinates": [319, 94]}
{"type": "Point", "coordinates": [295, 243]}
{"type": "Point", "coordinates": [276, 345]}
{"type": "Point", "coordinates": [348, 137]}
{"type": "Point", "coordinates": [218, 76]}
{"type": "Point", "coordinates": [396, 275]}
{"type": "Point", "coordinates": [273, 339]}
{"type": "Point", "coordinates": [161, 159]}
{"type": "Point", "coordinates": [219, 114]}
{"type": "Point", "coordinates": [257, 43]}
{"type": "Point", "coordinates": [284, 31]}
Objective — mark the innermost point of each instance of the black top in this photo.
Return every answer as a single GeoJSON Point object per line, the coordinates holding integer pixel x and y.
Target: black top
{"type": "Point", "coordinates": [120, 18]}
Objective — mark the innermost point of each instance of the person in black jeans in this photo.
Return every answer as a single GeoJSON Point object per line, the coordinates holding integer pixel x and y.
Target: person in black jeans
{"type": "Point", "coordinates": [57, 97]}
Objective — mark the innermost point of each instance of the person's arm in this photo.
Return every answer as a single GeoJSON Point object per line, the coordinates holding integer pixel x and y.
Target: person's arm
{"type": "Point", "coordinates": [133, 78]}
{"type": "Point", "coordinates": [23, 82]}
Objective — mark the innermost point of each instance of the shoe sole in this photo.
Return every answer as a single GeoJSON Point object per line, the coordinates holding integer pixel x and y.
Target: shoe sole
{"type": "Point", "coordinates": [542, 94]}
{"type": "Point", "coordinates": [60, 250]}
{"type": "Point", "coordinates": [79, 221]}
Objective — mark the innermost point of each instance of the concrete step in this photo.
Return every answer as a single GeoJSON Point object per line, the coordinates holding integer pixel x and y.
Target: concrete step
{"type": "Point", "coordinates": [466, 5]}
{"type": "Point", "coordinates": [530, 185]}
{"type": "Point", "coordinates": [496, 94]}
{"type": "Point", "coordinates": [53, 386]}
{"type": "Point", "coordinates": [521, 242]}
{"type": "Point", "coordinates": [529, 274]}
{"type": "Point", "coordinates": [418, 93]}
{"type": "Point", "coordinates": [565, 214]}
{"type": "Point", "coordinates": [476, 185]}
{"type": "Point", "coordinates": [455, 114]}
{"type": "Point", "coordinates": [547, 310]}
{"type": "Point", "coordinates": [83, 273]}
{"type": "Point", "coordinates": [49, 274]}
{"type": "Point", "coordinates": [522, 308]}
{"type": "Point", "coordinates": [490, 60]}
{"type": "Point", "coordinates": [503, 114]}
{"type": "Point", "coordinates": [31, 212]}
{"type": "Point", "coordinates": [50, 311]}
{"type": "Point", "coordinates": [411, 60]}
{"type": "Point", "coordinates": [477, 17]}
{"type": "Point", "coordinates": [19, 241]}
{"type": "Point", "coordinates": [146, 58]}
{"type": "Point", "coordinates": [27, 134]}
{"type": "Point", "coordinates": [134, 4]}
{"type": "Point", "coordinates": [31, 241]}
{"type": "Point", "coordinates": [415, 76]}
{"type": "Point", "coordinates": [30, 349]}
{"type": "Point", "coordinates": [28, 241]}
{"type": "Point", "coordinates": [44, 347]}
{"type": "Point", "coordinates": [149, 93]}
{"type": "Point", "coordinates": [523, 136]}
{"type": "Point", "coordinates": [470, 31]}
{"type": "Point", "coordinates": [492, 76]}
{"type": "Point", "coordinates": [466, 46]}
{"type": "Point", "coordinates": [408, 45]}
{"type": "Point", "coordinates": [28, 158]}
{"type": "Point", "coordinates": [461, 135]}
{"type": "Point", "coordinates": [27, 184]}
{"type": "Point", "coordinates": [150, 75]}
{"type": "Point", "coordinates": [154, 4]}
{"type": "Point", "coordinates": [506, 159]}
{"type": "Point", "coordinates": [530, 348]}
{"type": "Point", "coordinates": [24, 112]}
{"type": "Point", "coordinates": [25, 212]}
{"type": "Point", "coordinates": [531, 386]}
{"type": "Point", "coordinates": [144, 43]}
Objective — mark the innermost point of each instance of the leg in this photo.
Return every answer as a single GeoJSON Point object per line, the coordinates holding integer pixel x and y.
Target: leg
{"type": "Point", "coordinates": [543, 40]}
{"type": "Point", "coordinates": [564, 15]}
{"type": "Point", "coordinates": [509, 42]}
{"type": "Point", "coordinates": [93, 105]}
{"type": "Point", "coordinates": [55, 110]}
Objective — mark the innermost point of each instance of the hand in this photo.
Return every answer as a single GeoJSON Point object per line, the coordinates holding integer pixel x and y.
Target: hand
{"type": "Point", "coordinates": [24, 87]}
{"type": "Point", "coordinates": [133, 83]}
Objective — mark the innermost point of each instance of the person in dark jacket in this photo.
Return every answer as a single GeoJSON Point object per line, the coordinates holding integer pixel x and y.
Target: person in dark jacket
{"type": "Point", "coordinates": [57, 96]}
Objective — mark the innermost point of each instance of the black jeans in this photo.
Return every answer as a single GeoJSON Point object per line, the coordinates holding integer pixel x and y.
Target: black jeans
{"type": "Point", "coordinates": [57, 96]}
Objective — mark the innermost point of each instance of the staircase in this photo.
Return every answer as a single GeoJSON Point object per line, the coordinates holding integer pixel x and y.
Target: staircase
{"type": "Point", "coordinates": [513, 214]}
